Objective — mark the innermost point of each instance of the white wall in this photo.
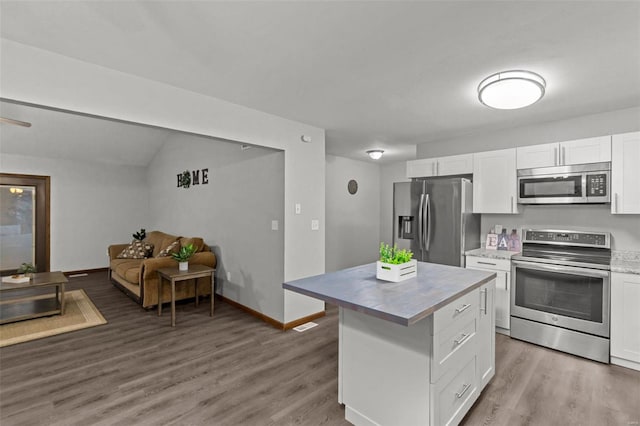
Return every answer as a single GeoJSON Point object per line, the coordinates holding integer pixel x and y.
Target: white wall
{"type": "Point", "coordinates": [45, 78]}
{"type": "Point", "coordinates": [390, 173]}
{"type": "Point", "coordinates": [353, 221]}
{"type": "Point", "coordinates": [625, 229]}
{"type": "Point", "coordinates": [233, 213]}
{"type": "Point", "coordinates": [608, 123]}
{"type": "Point", "coordinates": [92, 205]}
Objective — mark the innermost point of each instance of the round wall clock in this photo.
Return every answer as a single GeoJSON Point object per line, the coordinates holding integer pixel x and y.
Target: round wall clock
{"type": "Point", "coordinates": [352, 186]}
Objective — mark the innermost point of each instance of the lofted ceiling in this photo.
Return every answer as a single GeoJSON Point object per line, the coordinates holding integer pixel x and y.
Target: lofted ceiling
{"type": "Point", "coordinates": [374, 74]}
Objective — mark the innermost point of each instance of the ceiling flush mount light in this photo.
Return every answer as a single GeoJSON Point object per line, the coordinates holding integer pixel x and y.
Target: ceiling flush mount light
{"type": "Point", "coordinates": [511, 89]}
{"type": "Point", "coordinates": [375, 154]}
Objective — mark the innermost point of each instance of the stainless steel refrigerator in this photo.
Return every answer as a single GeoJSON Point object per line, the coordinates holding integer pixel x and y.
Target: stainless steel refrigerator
{"type": "Point", "coordinates": [433, 217]}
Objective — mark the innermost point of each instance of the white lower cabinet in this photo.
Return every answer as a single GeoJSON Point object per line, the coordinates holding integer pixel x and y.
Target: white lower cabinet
{"type": "Point", "coordinates": [430, 372]}
{"type": "Point", "coordinates": [502, 268]}
{"type": "Point", "coordinates": [486, 334]}
{"type": "Point", "coordinates": [625, 320]}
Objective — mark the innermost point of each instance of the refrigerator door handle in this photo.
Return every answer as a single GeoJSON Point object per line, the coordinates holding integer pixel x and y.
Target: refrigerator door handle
{"type": "Point", "coordinates": [427, 238]}
{"type": "Point", "coordinates": [420, 221]}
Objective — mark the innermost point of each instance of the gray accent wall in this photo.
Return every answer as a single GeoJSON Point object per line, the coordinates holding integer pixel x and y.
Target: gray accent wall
{"type": "Point", "coordinates": [233, 213]}
{"type": "Point", "coordinates": [353, 221]}
{"type": "Point", "coordinates": [92, 206]}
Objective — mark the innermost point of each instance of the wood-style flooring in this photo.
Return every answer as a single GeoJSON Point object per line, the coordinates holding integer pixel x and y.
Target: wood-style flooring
{"type": "Point", "coordinates": [233, 369]}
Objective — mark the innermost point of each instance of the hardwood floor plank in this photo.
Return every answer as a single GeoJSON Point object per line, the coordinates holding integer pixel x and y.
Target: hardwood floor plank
{"type": "Point", "coordinates": [234, 369]}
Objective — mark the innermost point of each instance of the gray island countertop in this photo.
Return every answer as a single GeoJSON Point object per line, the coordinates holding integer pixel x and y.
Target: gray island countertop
{"type": "Point", "coordinates": [405, 303]}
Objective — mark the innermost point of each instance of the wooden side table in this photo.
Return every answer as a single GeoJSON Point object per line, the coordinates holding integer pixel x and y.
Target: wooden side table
{"type": "Point", "coordinates": [174, 275]}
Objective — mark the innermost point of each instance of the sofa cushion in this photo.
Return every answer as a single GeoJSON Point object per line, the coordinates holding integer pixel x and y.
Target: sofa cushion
{"type": "Point", "coordinates": [136, 250]}
{"type": "Point", "coordinates": [198, 243]}
{"type": "Point", "coordinates": [171, 248]}
{"type": "Point", "coordinates": [129, 269]}
{"type": "Point", "coordinates": [160, 241]}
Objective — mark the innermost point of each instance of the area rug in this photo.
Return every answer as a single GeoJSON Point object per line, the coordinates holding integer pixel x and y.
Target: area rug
{"type": "Point", "coordinates": [80, 313]}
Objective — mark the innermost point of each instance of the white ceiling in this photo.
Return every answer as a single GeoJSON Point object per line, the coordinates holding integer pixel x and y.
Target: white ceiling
{"type": "Point", "coordinates": [374, 74]}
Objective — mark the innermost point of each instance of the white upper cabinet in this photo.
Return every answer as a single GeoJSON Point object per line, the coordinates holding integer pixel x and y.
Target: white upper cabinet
{"type": "Point", "coordinates": [580, 151]}
{"type": "Point", "coordinates": [494, 182]}
{"type": "Point", "coordinates": [625, 173]}
{"type": "Point", "coordinates": [443, 166]}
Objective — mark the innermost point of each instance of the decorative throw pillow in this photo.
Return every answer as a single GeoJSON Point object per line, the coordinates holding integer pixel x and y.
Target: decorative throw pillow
{"type": "Point", "coordinates": [136, 250]}
{"type": "Point", "coordinates": [169, 249]}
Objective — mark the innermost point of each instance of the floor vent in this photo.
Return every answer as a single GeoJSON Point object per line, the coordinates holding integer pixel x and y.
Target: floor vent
{"type": "Point", "coordinates": [77, 275]}
{"type": "Point", "coordinates": [305, 326]}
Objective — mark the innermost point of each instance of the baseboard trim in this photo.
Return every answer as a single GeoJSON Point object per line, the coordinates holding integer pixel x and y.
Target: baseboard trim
{"type": "Point", "coordinates": [85, 271]}
{"type": "Point", "coordinates": [277, 324]}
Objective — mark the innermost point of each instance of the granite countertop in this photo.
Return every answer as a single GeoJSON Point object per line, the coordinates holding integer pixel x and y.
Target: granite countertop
{"type": "Point", "coordinates": [404, 303]}
{"type": "Point", "coordinates": [491, 254]}
{"type": "Point", "coordinates": [627, 262]}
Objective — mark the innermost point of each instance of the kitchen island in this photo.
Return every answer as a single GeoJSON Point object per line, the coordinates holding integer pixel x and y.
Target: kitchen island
{"type": "Point", "coordinates": [417, 352]}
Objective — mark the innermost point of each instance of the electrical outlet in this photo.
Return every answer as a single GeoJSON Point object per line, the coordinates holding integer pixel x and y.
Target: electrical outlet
{"type": "Point", "coordinates": [298, 208]}
{"type": "Point", "coordinates": [228, 276]}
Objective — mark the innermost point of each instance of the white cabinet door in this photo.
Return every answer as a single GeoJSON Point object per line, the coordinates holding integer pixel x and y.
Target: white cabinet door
{"type": "Point", "coordinates": [455, 165]}
{"type": "Point", "coordinates": [502, 298]}
{"type": "Point", "coordinates": [625, 320]}
{"type": "Point", "coordinates": [421, 168]}
{"type": "Point", "coordinates": [625, 174]}
{"type": "Point", "coordinates": [581, 151]}
{"type": "Point", "coordinates": [545, 155]}
{"type": "Point", "coordinates": [443, 166]}
{"type": "Point", "coordinates": [494, 182]}
{"type": "Point", "coordinates": [486, 335]}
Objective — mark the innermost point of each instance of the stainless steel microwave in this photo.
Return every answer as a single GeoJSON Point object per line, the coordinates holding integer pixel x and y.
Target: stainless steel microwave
{"type": "Point", "coordinates": [577, 184]}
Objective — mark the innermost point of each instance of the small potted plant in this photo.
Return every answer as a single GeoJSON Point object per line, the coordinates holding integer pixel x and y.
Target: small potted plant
{"type": "Point", "coordinates": [183, 255]}
{"type": "Point", "coordinates": [395, 265]}
{"type": "Point", "coordinates": [27, 269]}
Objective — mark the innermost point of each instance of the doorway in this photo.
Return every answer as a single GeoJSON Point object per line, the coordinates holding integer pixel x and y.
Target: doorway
{"type": "Point", "coordinates": [24, 222]}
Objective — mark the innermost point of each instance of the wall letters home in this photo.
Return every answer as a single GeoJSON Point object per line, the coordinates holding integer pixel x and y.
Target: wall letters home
{"type": "Point", "coordinates": [187, 178]}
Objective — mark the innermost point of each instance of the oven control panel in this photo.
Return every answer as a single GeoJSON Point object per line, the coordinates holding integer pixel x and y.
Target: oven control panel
{"type": "Point", "coordinates": [589, 239]}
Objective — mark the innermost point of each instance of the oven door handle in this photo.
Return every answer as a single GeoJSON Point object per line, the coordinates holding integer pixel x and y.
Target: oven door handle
{"type": "Point", "coordinates": [562, 269]}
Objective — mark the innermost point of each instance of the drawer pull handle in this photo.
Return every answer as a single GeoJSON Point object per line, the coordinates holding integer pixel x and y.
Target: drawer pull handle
{"type": "Point", "coordinates": [464, 390]}
{"type": "Point", "coordinates": [487, 263]}
{"type": "Point", "coordinates": [463, 308]}
{"type": "Point", "coordinates": [461, 339]}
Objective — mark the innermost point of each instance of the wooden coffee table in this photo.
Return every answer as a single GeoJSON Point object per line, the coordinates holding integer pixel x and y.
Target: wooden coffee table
{"type": "Point", "coordinates": [174, 275]}
{"type": "Point", "coordinates": [26, 306]}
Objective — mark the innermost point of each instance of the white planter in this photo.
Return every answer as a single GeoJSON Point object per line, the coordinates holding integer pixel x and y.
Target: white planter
{"type": "Point", "coordinates": [396, 273]}
{"type": "Point", "coordinates": [183, 266]}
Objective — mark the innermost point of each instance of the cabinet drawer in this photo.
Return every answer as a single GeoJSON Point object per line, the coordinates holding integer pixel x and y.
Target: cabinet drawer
{"type": "Point", "coordinates": [488, 263]}
{"type": "Point", "coordinates": [452, 347]}
{"type": "Point", "coordinates": [455, 394]}
{"type": "Point", "coordinates": [458, 311]}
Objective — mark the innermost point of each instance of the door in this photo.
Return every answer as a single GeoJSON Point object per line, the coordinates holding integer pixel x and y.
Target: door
{"type": "Point", "coordinates": [24, 222]}
{"type": "Point", "coordinates": [418, 208]}
{"type": "Point", "coordinates": [444, 221]}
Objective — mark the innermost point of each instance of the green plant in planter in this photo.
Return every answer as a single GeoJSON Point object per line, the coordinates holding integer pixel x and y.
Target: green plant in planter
{"type": "Point", "coordinates": [27, 268]}
{"type": "Point", "coordinates": [184, 253]}
{"type": "Point", "coordinates": [140, 235]}
{"type": "Point", "coordinates": [393, 255]}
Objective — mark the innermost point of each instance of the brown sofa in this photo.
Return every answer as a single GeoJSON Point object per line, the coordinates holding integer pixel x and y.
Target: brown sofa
{"type": "Point", "coordinates": [138, 277]}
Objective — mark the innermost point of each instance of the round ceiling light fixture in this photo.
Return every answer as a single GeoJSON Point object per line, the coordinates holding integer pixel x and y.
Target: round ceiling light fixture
{"type": "Point", "coordinates": [375, 154]}
{"type": "Point", "coordinates": [511, 89]}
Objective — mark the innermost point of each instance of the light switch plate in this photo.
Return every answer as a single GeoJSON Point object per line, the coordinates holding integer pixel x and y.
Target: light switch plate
{"type": "Point", "coordinates": [298, 208]}
{"type": "Point", "coordinates": [274, 225]}
{"type": "Point", "coordinates": [315, 224]}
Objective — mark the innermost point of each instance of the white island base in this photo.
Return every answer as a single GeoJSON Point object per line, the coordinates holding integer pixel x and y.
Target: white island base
{"type": "Point", "coordinates": [428, 373]}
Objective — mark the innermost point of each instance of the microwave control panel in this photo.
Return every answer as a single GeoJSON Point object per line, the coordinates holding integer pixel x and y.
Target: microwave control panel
{"type": "Point", "coordinates": [597, 185]}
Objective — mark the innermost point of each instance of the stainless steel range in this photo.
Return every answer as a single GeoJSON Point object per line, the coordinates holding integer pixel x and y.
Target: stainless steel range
{"type": "Point", "coordinates": [561, 291]}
